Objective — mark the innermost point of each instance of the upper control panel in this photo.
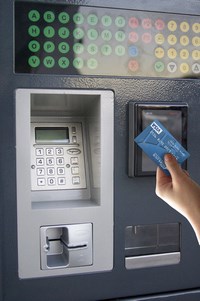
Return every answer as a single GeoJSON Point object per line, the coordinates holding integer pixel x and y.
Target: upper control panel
{"type": "Point", "coordinates": [69, 39]}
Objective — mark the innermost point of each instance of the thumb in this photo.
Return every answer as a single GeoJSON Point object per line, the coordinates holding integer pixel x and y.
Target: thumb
{"type": "Point", "coordinates": [173, 166]}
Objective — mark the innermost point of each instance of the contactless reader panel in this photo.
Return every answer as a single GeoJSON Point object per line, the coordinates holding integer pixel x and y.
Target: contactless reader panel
{"type": "Point", "coordinates": [57, 156]}
{"type": "Point", "coordinates": [172, 115]}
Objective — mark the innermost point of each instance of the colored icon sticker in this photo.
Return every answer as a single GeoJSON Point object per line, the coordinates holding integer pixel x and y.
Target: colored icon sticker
{"type": "Point", "coordinates": [159, 66]}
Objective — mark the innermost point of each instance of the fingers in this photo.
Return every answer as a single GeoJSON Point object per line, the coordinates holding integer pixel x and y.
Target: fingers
{"type": "Point", "coordinates": [173, 166]}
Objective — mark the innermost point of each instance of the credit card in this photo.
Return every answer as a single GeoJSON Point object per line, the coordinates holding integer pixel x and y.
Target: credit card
{"type": "Point", "coordinates": [156, 141]}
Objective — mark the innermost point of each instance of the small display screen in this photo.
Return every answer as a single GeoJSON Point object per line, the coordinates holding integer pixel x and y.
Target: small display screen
{"type": "Point", "coordinates": [52, 135]}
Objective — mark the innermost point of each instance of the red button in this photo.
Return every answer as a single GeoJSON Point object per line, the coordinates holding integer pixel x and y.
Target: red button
{"type": "Point", "coordinates": [133, 22]}
{"type": "Point", "coordinates": [133, 65]}
{"type": "Point", "coordinates": [146, 37]}
{"type": "Point", "coordinates": [159, 24]}
{"type": "Point", "coordinates": [133, 37]}
{"type": "Point", "coordinates": [146, 23]}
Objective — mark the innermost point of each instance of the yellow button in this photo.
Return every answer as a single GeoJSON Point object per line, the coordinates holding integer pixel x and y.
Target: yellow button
{"type": "Point", "coordinates": [172, 39]}
{"type": "Point", "coordinates": [159, 39]}
{"type": "Point", "coordinates": [184, 40]}
{"type": "Point", "coordinates": [196, 27]}
{"type": "Point", "coordinates": [172, 53]}
{"type": "Point", "coordinates": [196, 41]}
{"type": "Point", "coordinates": [159, 52]}
{"type": "Point", "coordinates": [184, 68]}
{"type": "Point", "coordinates": [184, 26]}
{"type": "Point", "coordinates": [172, 25]}
{"type": "Point", "coordinates": [196, 55]}
{"type": "Point", "coordinates": [184, 54]}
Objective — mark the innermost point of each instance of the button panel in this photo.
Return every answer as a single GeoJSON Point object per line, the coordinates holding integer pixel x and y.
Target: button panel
{"type": "Point", "coordinates": [70, 39]}
{"type": "Point", "coordinates": [55, 167]}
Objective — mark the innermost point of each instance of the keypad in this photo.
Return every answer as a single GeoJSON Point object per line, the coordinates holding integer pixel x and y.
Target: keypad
{"type": "Point", "coordinates": [83, 40]}
{"type": "Point", "coordinates": [55, 167]}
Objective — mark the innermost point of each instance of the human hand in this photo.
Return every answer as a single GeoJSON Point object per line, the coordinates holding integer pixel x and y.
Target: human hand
{"type": "Point", "coordinates": [180, 192]}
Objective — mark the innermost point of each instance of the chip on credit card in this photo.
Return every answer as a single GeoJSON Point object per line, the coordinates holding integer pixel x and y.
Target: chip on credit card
{"type": "Point", "coordinates": [156, 141]}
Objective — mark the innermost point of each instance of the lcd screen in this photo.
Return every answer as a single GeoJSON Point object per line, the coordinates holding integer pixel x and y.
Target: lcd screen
{"type": "Point", "coordinates": [52, 135]}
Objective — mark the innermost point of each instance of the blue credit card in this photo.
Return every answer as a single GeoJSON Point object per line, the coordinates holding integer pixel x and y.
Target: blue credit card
{"type": "Point", "coordinates": [156, 141]}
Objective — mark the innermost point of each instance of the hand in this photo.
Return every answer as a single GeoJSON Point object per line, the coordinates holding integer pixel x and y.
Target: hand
{"type": "Point", "coordinates": [180, 192]}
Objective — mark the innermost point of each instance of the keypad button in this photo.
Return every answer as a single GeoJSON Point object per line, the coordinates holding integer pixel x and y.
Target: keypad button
{"type": "Point", "coordinates": [78, 18]}
{"type": "Point", "coordinates": [159, 66]}
{"type": "Point", "coordinates": [172, 25]}
{"type": "Point", "coordinates": [184, 68]}
{"type": "Point", "coordinates": [49, 47]}
{"type": "Point", "coordinates": [63, 62]}
{"type": "Point", "coordinates": [172, 39]}
{"type": "Point", "coordinates": [106, 20]}
{"type": "Point", "coordinates": [40, 172]}
{"type": "Point", "coordinates": [41, 182]}
{"type": "Point", "coordinates": [120, 36]}
{"type": "Point", "coordinates": [34, 46]}
{"type": "Point", "coordinates": [49, 62]}
{"type": "Point", "coordinates": [159, 24]}
{"type": "Point", "coordinates": [51, 181]}
{"type": "Point", "coordinates": [147, 23]}
{"type": "Point", "coordinates": [133, 51]}
{"type": "Point", "coordinates": [59, 151]}
{"type": "Point", "coordinates": [49, 32]}
{"type": "Point", "coordinates": [50, 161]}
{"type": "Point", "coordinates": [75, 170]}
{"type": "Point", "coordinates": [172, 67]}
{"type": "Point", "coordinates": [133, 65]}
{"type": "Point", "coordinates": [92, 19]}
{"type": "Point", "coordinates": [92, 34]}
{"type": "Point", "coordinates": [61, 181]}
{"type": "Point", "coordinates": [196, 27]}
{"type": "Point", "coordinates": [184, 40]}
{"type": "Point", "coordinates": [39, 151]}
{"type": "Point", "coordinates": [78, 33]}
{"type": "Point", "coordinates": [196, 68]}
{"type": "Point", "coordinates": [184, 54]}
{"type": "Point", "coordinates": [60, 171]}
{"type": "Point", "coordinates": [63, 32]}
{"type": "Point", "coordinates": [34, 31]}
{"type": "Point", "coordinates": [120, 21]}
{"type": "Point", "coordinates": [184, 26]}
{"type": "Point", "coordinates": [133, 37]}
{"type": "Point", "coordinates": [63, 17]}
{"type": "Point", "coordinates": [196, 41]}
{"type": "Point", "coordinates": [75, 180]}
{"type": "Point", "coordinates": [34, 61]}
{"type": "Point", "coordinates": [78, 48]}
{"type": "Point", "coordinates": [92, 49]}
{"type": "Point", "coordinates": [172, 53]}
{"type": "Point", "coordinates": [63, 47]}
{"type": "Point", "coordinates": [120, 50]}
{"type": "Point", "coordinates": [106, 50]}
{"type": "Point", "coordinates": [159, 52]}
{"type": "Point", "coordinates": [133, 22]}
{"type": "Point", "coordinates": [146, 37]}
{"type": "Point", "coordinates": [78, 63]}
{"type": "Point", "coordinates": [60, 161]}
{"type": "Point", "coordinates": [74, 160]}
{"type": "Point", "coordinates": [34, 16]}
{"type": "Point", "coordinates": [39, 161]}
{"type": "Point", "coordinates": [159, 38]}
{"type": "Point", "coordinates": [196, 55]}
{"type": "Point", "coordinates": [50, 171]}
{"type": "Point", "coordinates": [92, 64]}
{"type": "Point", "coordinates": [106, 35]}
{"type": "Point", "coordinates": [49, 16]}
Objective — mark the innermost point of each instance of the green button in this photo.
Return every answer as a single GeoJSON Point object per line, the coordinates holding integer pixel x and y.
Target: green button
{"type": "Point", "coordinates": [63, 32]}
{"type": "Point", "coordinates": [49, 16]}
{"type": "Point", "coordinates": [106, 50]}
{"type": "Point", "coordinates": [34, 31]}
{"type": "Point", "coordinates": [106, 35]}
{"type": "Point", "coordinates": [49, 31]}
{"type": "Point", "coordinates": [49, 61]}
{"type": "Point", "coordinates": [92, 34]}
{"type": "Point", "coordinates": [78, 48]}
{"type": "Point", "coordinates": [78, 33]}
{"type": "Point", "coordinates": [92, 63]}
{"type": "Point", "coordinates": [63, 62]}
{"type": "Point", "coordinates": [34, 46]}
{"type": "Point", "coordinates": [92, 49]}
{"type": "Point", "coordinates": [159, 66]}
{"type": "Point", "coordinates": [78, 18]}
{"type": "Point", "coordinates": [78, 63]}
{"type": "Point", "coordinates": [120, 36]}
{"type": "Point", "coordinates": [120, 50]}
{"type": "Point", "coordinates": [34, 61]}
{"type": "Point", "coordinates": [92, 19]}
{"type": "Point", "coordinates": [34, 15]}
{"type": "Point", "coordinates": [106, 20]}
{"type": "Point", "coordinates": [120, 21]}
{"type": "Point", "coordinates": [49, 47]}
{"type": "Point", "coordinates": [63, 47]}
{"type": "Point", "coordinates": [63, 18]}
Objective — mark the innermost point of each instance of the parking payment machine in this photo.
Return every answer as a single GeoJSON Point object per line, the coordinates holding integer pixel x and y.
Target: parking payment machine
{"type": "Point", "coordinates": [79, 80]}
